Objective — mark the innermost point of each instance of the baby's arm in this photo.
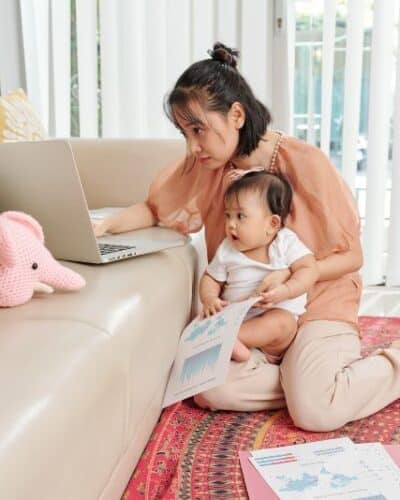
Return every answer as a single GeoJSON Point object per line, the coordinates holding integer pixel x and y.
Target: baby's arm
{"type": "Point", "coordinates": [136, 216]}
{"type": "Point", "coordinates": [304, 276]}
{"type": "Point", "coordinates": [210, 290]}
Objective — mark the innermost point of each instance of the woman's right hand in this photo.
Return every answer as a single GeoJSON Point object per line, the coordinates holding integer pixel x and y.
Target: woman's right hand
{"type": "Point", "coordinates": [100, 226]}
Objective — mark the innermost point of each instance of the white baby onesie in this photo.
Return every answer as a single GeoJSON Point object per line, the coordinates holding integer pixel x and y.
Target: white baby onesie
{"type": "Point", "coordinates": [242, 275]}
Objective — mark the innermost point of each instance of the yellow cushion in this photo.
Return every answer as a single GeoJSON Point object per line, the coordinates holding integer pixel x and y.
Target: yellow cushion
{"type": "Point", "coordinates": [18, 120]}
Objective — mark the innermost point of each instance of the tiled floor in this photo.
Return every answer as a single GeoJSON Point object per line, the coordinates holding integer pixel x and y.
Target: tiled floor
{"type": "Point", "coordinates": [380, 301]}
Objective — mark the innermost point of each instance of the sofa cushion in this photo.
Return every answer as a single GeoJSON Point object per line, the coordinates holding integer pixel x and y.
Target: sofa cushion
{"type": "Point", "coordinates": [82, 375]}
{"type": "Point", "coordinates": [63, 397]}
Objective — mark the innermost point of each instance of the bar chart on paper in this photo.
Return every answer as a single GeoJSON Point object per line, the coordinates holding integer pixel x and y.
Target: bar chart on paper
{"type": "Point", "coordinates": [200, 364]}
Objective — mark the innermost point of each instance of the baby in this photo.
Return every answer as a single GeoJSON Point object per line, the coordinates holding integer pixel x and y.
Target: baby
{"type": "Point", "coordinates": [256, 244]}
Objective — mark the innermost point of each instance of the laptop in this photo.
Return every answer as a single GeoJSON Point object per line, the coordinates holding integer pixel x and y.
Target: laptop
{"type": "Point", "coordinates": [42, 180]}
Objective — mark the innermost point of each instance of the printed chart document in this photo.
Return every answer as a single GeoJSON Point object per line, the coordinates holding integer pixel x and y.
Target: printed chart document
{"type": "Point", "coordinates": [204, 352]}
{"type": "Point", "coordinates": [334, 469]}
{"type": "Point", "coordinates": [259, 489]}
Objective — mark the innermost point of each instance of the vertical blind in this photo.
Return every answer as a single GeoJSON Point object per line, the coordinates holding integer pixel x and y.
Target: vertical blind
{"type": "Point", "coordinates": [380, 109]}
{"type": "Point", "coordinates": [380, 225]}
{"type": "Point", "coordinates": [46, 42]}
{"type": "Point", "coordinates": [352, 90]}
{"type": "Point", "coordinates": [86, 43]}
{"type": "Point", "coordinates": [129, 53]}
{"type": "Point", "coordinates": [328, 47]}
{"type": "Point", "coordinates": [393, 261]}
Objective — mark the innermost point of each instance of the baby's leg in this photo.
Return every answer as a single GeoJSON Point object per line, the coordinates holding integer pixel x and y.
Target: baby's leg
{"type": "Point", "coordinates": [272, 331]}
{"type": "Point", "coordinates": [240, 351]}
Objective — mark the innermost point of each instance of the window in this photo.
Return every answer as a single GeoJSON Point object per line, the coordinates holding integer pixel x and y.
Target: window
{"type": "Point", "coordinates": [308, 85]}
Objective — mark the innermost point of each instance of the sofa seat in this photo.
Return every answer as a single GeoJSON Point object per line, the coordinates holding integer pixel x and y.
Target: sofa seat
{"type": "Point", "coordinates": [82, 376]}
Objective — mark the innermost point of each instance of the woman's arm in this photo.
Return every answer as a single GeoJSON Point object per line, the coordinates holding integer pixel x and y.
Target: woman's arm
{"type": "Point", "coordinates": [336, 265]}
{"type": "Point", "coordinates": [304, 276]}
{"type": "Point", "coordinates": [332, 267]}
{"type": "Point", "coordinates": [327, 219]}
{"type": "Point", "coordinates": [136, 216]}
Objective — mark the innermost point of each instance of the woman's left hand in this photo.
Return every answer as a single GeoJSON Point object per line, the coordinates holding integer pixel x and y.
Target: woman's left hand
{"type": "Point", "coordinates": [236, 173]}
{"type": "Point", "coordinates": [269, 289]}
{"type": "Point", "coordinates": [272, 280]}
{"type": "Point", "coordinates": [232, 176]}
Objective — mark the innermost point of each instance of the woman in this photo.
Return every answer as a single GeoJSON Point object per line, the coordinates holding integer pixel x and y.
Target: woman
{"type": "Point", "coordinates": [322, 378]}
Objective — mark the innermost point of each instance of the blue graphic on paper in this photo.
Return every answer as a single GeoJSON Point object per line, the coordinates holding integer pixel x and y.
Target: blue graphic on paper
{"type": "Point", "coordinates": [338, 480]}
{"type": "Point", "coordinates": [219, 323]}
{"type": "Point", "coordinates": [299, 484]}
{"type": "Point", "coordinates": [209, 327]}
{"type": "Point", "coordinates": [308, 481]}
{"type": "Point", "coordinates": [199, 330]}
{"type": "Point", "coordinates": [198, 363]}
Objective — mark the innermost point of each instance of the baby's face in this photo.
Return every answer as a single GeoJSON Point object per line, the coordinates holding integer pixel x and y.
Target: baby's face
{"type": "Point", "coordinates": [248, 222]}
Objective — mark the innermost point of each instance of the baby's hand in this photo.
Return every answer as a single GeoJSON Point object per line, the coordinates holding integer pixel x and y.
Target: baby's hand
{"type": "Point", "coordinates": [212, 305]}
{"type": "Point", "coordinates": [273, 296]}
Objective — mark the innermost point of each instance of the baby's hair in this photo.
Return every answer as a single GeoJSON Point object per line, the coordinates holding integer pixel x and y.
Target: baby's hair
{"type": "Point", "coordinates": [215, 84]}
{"type": "Point", "coordinates": [274, 189]}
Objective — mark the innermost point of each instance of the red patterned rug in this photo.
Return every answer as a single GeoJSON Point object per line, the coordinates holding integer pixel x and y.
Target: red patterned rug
{"type": "Point", "coordinates": [193, 453]}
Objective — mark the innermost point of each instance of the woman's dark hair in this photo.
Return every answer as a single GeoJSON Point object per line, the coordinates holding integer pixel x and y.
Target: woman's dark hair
{"type": "Point", "coordinates": [274, 189]}
{"type": "Point", "coordinates": [215, 84]}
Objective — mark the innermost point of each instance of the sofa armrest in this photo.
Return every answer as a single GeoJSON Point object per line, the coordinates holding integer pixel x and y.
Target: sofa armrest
{"type": "Point", "coordinates": [118, 172]}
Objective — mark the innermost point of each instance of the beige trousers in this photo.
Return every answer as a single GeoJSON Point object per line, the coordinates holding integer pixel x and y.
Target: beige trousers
{"type": "Point", "coordinates": [323, 379]}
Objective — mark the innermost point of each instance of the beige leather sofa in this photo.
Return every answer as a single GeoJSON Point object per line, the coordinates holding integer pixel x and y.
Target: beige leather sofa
{"type": "Point", "coordinates": [82, 375]}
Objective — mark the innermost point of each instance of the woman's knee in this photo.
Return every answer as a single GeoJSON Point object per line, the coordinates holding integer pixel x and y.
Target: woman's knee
{"type": "Point", "coordinates": [219, 398]}
{"type": "Point", "coordinates": [202, 401]}
{"type": "Point", "coordinates": [311, 414]}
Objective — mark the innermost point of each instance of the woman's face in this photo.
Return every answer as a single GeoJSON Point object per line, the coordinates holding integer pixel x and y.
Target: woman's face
{"type": "Point", "coordinates": [212, 138]}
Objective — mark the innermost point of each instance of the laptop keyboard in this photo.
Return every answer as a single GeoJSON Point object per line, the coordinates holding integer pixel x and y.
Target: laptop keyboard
{"type": "Point", "coordinates": [106, 249]}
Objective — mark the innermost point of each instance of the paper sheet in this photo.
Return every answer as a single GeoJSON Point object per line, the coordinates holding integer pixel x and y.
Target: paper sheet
{"type": "Point", "coordinates": [204, 352]}
{"type": "Point", "coordinates": [333, 469]}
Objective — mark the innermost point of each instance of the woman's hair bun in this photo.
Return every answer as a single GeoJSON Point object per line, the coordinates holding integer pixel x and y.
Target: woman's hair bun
{"type": "Point", "coordinates": [221, 52]}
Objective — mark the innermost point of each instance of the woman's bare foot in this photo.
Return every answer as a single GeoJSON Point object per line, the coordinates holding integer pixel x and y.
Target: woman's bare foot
{"type": "Point", "coordinates": [240, 352]}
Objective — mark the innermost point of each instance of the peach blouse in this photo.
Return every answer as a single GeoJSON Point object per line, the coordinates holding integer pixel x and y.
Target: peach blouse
{"type": "Point", "coordinates": [324, 215]}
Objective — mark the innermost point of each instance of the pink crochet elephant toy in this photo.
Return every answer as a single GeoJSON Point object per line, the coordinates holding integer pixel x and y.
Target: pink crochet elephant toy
{"type": "Point", "coordinates": [26, 266]}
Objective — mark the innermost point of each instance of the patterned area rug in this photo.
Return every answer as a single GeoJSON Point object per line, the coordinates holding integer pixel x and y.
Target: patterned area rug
{"type": "Point", "coordinates": [193, 453]}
